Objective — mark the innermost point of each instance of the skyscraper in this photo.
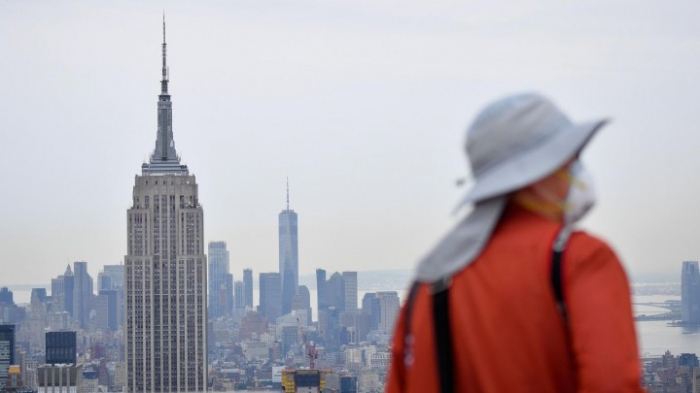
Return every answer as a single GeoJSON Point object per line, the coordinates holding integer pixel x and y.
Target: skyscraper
{"type": "Point", "coordinates": [7, 350]}
{"type": "Point", "coordinates": [112, 278]}
{"type": "Point", "coordinates": [62, 290]}
{"type": "Point", "coordinates": [321, 296]}
{"type": "Point", "coordinates": [335, 297]}
{"type": "Point", "coordinates": [106, 310]}
{"type": "Point", "coordinates": [288, 256]}
{"type": "Point", "coordinates": [239, 295]}
{"type": "Point", "coordinates": [248, 287]}
{"type": "Point", "coordinates": [82, 293]}
{"type": "Point", "coordinates": [350, 291]}
{"type": "Point", "coordinates": [389, 305]}
{"type": "Point", "coordinates": [220, 290]}
{"type": "Point", "coordinates": [690, 293]}
{"type": "Point", "coordinates": [302, 302]}
{"type": "Point", "coordinates": [68, 290]}
{"type": "Point", "coordinates": [270, 295]}
{"type": "Point", "coordinates": [166, 292]}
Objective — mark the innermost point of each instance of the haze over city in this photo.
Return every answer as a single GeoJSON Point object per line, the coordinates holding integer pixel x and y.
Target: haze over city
{"type": "Point", "coordinates": [362, 105]}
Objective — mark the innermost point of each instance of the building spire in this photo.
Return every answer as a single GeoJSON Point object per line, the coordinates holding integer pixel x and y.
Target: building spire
{"type": "Point", "coordinates": [164, 81]}
{"type": "Point", "coordinates": [287, 193]}
{"type": "Point", "coordinates": [164, 159]}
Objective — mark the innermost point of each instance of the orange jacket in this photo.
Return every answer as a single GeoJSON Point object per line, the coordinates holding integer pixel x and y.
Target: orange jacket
{"type": "Point", "coordinates": [507, 334]}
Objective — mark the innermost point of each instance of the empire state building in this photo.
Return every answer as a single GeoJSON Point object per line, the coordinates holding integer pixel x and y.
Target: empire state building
{"type": "Point", "coordinates": [165, 270]}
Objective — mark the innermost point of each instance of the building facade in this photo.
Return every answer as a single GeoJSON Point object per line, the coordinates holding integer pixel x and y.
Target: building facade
{"type": "Point", "coordinates": [248, 287]}
{"type": "Point", "coordinates": [62, 291]}
{"type": "Point", "coordinates": [270, 296]}
{"type": "Point", "coordinates": [350, 291]}
{"type": "Point", "coordinates": [239, 295]}
{"type": "Point", "coordinates": [288, 256]}
{"type": "Point", "coordinates": [61, 378]}
{"type": "Point", "coordinates": [112, 278]}
{"type": "Point", "coordinates": [690, 293]}
{"type": "Point", "coordinates": [220, 290]}
{"type": "Point", "coordinates": [166, 292]}
{"type": "Point", "coordinates": [389, 305]}
{"type": "Point", "coordinates": [82, 293]}
{"type": "Point", "coordinates": [61, 347]}
{"type": "Point", "coordinates": [7, 351]}
{"type": "Point", "coordinates": [106, 310]}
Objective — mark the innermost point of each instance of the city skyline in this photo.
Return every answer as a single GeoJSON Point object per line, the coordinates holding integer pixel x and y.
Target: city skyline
{"type": "Point", "coordinates": [366, 122]}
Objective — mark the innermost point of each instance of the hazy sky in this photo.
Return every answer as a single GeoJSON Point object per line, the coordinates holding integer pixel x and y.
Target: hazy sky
{"type": "Point", "coordinates": [362, 104]}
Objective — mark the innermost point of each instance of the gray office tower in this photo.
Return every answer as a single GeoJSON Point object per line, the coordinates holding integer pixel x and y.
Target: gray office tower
{"type": "Point", "coordinates": [106, 310]}
{"type": "Point", "coordinates": [288, 256]}
{"type": "Point", "coordinates": [7, 351]}
{"type": "Point", "coordinates": [690, 293]}
{"type": "Point", "coordinates": [166, 270]}
{"type": "Point", "coordinates": [239, 295]}
{"type": "Point", "coordinates": [220, 281]}
{"type": "Point", "coordinates": [82, 293]}
{"type": "Point", "coordinates": [112, 278]}
{"type": "Point", "coordinates": [321, 289]}
{"type": "Point", "coordinates": [62, 288]}
{"type": "Point", "coordinates": [61, 348]}
{"type": "Point", "coordinates": [270, 296]}
{"type": "Point", "coordinates": [248, 287]}
{"type": "Point", "coordinates": [350, 291]}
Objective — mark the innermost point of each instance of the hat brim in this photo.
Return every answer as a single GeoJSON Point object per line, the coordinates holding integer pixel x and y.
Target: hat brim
{"type": "Point", "coordinates": [530, 165]}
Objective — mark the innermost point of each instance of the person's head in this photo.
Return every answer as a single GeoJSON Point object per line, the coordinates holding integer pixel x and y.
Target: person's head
{"type": "Point", "coordinates": [565, 195]}
{"type": "Point", "coordinates": [525, 146]}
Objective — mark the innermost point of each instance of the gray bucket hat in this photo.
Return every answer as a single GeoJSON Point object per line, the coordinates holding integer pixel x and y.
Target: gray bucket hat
{"type": "Point", "coordinates": [513, 143]}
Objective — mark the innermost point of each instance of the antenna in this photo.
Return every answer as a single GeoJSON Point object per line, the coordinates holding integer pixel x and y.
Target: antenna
{"type": "Point", "coordinates": [287, 193]}
{"type": "Point", "coordinates": [164, 82]}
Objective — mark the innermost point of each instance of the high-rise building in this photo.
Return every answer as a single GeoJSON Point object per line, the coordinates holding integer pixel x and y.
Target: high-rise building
{"type": "Point", "coordinates": [37, 324]}
{"type": "Point", "coordinates": [62, 291]}
{"type": "Point", "coordinates": [106, 310]}
{"type": "Point", "coordinates": [288, 256]}
{"type": "Point", "coordinates": [39, 293]}
{"type": "Point", "coordinates": [302, 302]}
{"type": "Point", "coordinates": [61, 348]}
{"type": "Point", "coordinates": [321, 296]}
{"type": "Point", "coordinates": [7, 351]}
{"type": "Point", "coordinates": [270, 295]}
{"type": "Point", "coordinates": [68, 290]}
{"type": "Point", "coordinates": [6, 296]}
{"type": "Point", "coordinates": [82, 293]}
{"type": "Point", "coordinates": [220, 290]}
{"type": "Point", "coordinates": [9, 312]}
{"type": "Point", "coordinates": [248, 287]}
{"type": "Point", "coordinates": [350, 291]}
{"type": "Point", "coordinates": [389, 306]}
{"type": "Point", "coordinates": [166, 287]}
{"type": "Point", "coordinates": [690, 293]}
{"type": "Point", "coordinates": [112, 278]}
{"type": "Point", "coordinates": [239, 294]}
{"type": "Point", "coordinates": [370, 306]}
{"type": "Point", "coordinates": [335, 297]}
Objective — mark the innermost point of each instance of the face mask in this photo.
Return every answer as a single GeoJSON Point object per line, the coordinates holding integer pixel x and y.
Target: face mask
{"type": "Point", "coordinates": [581, 195]}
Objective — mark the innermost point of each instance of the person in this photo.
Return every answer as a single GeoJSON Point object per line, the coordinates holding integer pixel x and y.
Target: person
{"type": "Point", "coordinates": [513, 299]}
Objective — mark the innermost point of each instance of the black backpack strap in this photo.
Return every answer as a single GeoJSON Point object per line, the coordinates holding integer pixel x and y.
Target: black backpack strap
{"type": "Point", "coordinates": [556, 275]}
{"type": "Point", "coordinates": [443, 335]}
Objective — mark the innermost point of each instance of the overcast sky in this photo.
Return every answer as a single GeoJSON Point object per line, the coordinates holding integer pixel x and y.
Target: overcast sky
{"type": "Point", "coordinates": [362, 104]}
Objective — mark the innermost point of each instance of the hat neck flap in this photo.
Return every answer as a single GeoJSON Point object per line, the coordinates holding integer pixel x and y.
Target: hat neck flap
{"type": "Point", "coordinates": [464, 243]}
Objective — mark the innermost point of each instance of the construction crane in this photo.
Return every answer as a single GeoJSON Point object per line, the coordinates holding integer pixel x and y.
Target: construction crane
{"type": "Point", "coordinates": [313, 355]}
{"type": "Point", "coordinates": [307, 346]}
